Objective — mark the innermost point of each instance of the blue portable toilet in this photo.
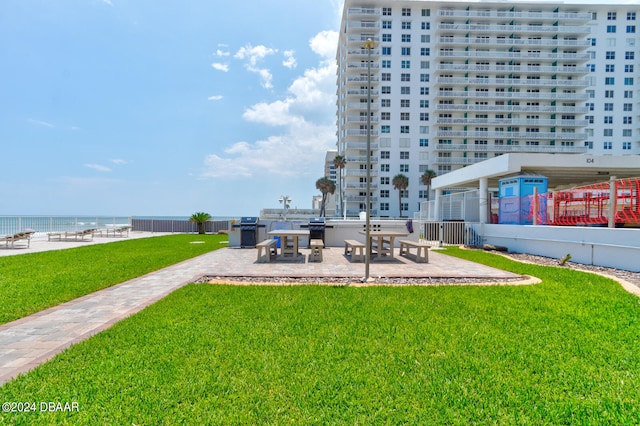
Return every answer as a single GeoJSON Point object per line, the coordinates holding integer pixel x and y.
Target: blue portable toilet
{"type": "Point", "coordinates": [514, 194]}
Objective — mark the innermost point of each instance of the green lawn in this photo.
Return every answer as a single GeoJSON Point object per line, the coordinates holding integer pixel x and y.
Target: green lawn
{"type": "Point", "coordinates": [32, 282]}
{"type": "Point", "coordinates": [565, 351]}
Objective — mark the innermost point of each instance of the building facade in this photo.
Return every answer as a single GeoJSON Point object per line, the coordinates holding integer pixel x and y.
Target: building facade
{"type": "Point", "coordinates": [455, 83]}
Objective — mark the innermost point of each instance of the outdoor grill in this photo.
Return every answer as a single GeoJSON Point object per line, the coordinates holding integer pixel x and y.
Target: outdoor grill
{"type": "Point", "coordinates": [248, 231]}
{"type": "Point", "coordinates": [316, 227]}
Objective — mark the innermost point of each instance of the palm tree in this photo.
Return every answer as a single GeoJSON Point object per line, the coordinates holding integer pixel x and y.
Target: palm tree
{"type": "Point", "coordinates": [339, 162]}
{"type": "Point", "coordinates": [426, 179]}
{"type": "Point", "coordinates": [200, 218]}
{"type": "Point", "coordinates": [326, 186]}
{"type": "Point", "coordinates": [400, 182]}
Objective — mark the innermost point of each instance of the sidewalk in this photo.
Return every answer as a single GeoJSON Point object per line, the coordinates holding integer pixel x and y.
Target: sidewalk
{"type": "Point", "coordinates": [30, 341]}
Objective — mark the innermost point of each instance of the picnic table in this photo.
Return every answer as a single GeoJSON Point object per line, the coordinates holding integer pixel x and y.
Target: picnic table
{"type": "Point", "coordinates": [289, 240]}
{"type": "Point", "coordinates": [382, 242]}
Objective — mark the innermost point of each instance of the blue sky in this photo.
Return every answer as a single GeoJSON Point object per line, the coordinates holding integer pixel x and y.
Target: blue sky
{"type": "Point", "coordinates": [155, 107]}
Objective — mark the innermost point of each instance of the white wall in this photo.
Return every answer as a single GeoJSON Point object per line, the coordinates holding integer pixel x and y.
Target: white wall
{"type": "Point", "coordinates": [611, 247]}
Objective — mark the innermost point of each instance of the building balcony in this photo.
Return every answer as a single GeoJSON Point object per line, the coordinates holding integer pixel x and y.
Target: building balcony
{"type": "Point", "coordinates": [510, 82]}
{"type": "Point", "coordinates": [360, 173]}
{"type": "Point", "coordinates": [359, 26]}
{"type": "Point", "coordinates": [361, 132]}
{"type": "Point", "coordinates": [359, 198]}
{"type": "Point", "coordinates": [493, 41]}
{"type": "Point", "coordinates": [362, 92]}
{"type": "Point", "coordinates": [361, 66]}
{"type": "Point", "coordinates": [511, 135]}
{"type": "Point", "coordinates": [513, 108]}
{"type": "Point", "coordinates": [548, 149]}
{"type": "Point", "coordinates": [360, 145]}
{"type": "Point", "coordinates": [513, 55]}
{"type": "Point", "coordinates": [361, 39]}
{"type": "Point", "coordinates": [360, 159]}
{"type": "Point", "coordinates": [498, 14]}
{"type": "Point", "coordinates": [363, 105]}
{"type": "Point", "coordinates": [361, 186]}
{"type": "Point", "coordinates": [361, 79]}
{"type": "Point", "coordinates": [512, 68]}
{"type": "Point", "coordinates": [361, 120]}
{"type": "Point", "coordinates": [363, 12]}
{"type": "Point", "coordinates": [513, 122]}
{"type": "Point", "coordinates": [513, 95]}
{"type": "Point", "coordinates": [516, 29]}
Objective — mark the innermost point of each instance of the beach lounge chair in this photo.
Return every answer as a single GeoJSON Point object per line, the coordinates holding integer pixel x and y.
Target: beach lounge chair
{"type": "Point", "coordinates": [17, 237]}
{"type": "Point", "coordinates": [122, 231]}
{"type": "Point", "coordinates": [72, 234]}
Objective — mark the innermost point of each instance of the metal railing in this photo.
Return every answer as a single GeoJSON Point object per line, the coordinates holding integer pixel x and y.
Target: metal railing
{"type": "Point", "coordinates": [44, 224]}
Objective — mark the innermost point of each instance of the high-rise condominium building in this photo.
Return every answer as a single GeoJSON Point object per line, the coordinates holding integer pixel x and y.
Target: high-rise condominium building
{"type": "Point", "coordinates": [455, 83]}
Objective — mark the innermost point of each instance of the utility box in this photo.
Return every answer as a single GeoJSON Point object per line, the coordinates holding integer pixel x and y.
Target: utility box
{"type": "Point", "coordinates": [516, 199]}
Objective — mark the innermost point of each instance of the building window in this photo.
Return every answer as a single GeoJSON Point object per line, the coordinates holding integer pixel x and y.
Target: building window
{"type": "Point", "coordinates": [427, 12]}
{"type": "Point", "coordinates": [609, 81]}
{"type": "Point", "coordinates": [385, 129]}
{"type": "Point", "coordinates": [386, 63]}
{"type": "Point", "coordinates": [385, 103]}
{"type": "Point", "coordinates": [610, 55]}
{"type": "Point", "coordinates": [405, 103]}
{"type": "Point", "coordinates": [629, 56]}
{"type": "Point", "coordinates": [425, 26]}
{"type": "Point", "coordinates": [405, 90]}
{"type": "Point", "coordinates": [608, 145]}
{"type": "Point", "coordinates": [607, 132]}
{"type": "Point", "coordinates": [424, 78]}
{"type": "Point", "coordinates": [406, 51]}
{"type": "Point", "coordinates": [611, 16]}
{"type": "Point", "coordinates": [608, 106]}
{"type": "Point", "coordinates": [590, 106]}
{"type": "Point", "coordinates": [593, 41]}
{"type": "Point", "coordinates": [627, 107]}
{"type": "Point", "coordinates": [406, 25]}
{"type": "Point", "coordinates": [384, 180]}
{"type": "Point", "coordinates": [384, 167]}
{"type": "Point", "coordinates": [424, 90]}
{"type": "Point", "coordinates": [628, 68]}
{"type": "Point", "coordinates": [423, 194]}
{"type": "Point", "coordinates": [385, 155]}
{"type": "Point", "coordinates": [386, 38]}
{"type": "Point", "coordinates": [591, 67]}
{"type": "Point", "coordinates": [384, 207]}
{"type": "Point", "coordinates": [628, 94]}
{"type": "Point", "coordinates": [406, 64]}
{"type": "Point", "coordinates": [386, 11]}
{"type": "Point", "coordinates": [424, 116]}
{"type": "Point", "coordinates": [610, 68]}
{"type": "Point", "coordinates": [631, 16]}
{"type": "Point", "coordinates": [425, 38]}
{"type": "Point", "coordinates": [386, 90]}
{"type": "Point", "coordinates": [404, 129]}
{"type": "Point", "coordinates": [611, 28]}
{"type": "Point", "coordinates": [405, 116]}
{"type": "Point", "coordinates": [386, 51]}
{"type": "Point", "coordinates": [425, 51]}
{"type": "Point", "coordinates": [589, 118]}
{"type": "Point", "coordinates": [406, 38]}
{"type": "Point", "coordinates": [385, 76]}
{"type": "Point", "coordinates": [631, 29]}
{"type": "Point", "coordinates": [384, 193]}
{"type": "Point", "coordinates": [627, 120]}
{"type": "Point", "coordinates": [405, 77]}
{"type": "Point", "coordinates": [424, 142]}
{"type": "Point", "coordinates": [385, 116]}
{"type": "Point", "coordinates": [386, 25]}
{"type": "Point", "coordinates": [404, 168]}
{"type": "Point", "coordinates": [608, 119]}
{"type": "Point", "coordinates": [626, 145]}
{"type": "Point", "coordinates": [406, 11]}
{"type": "Point", "coordinates": [628, 81]}
{"type": "Point", "coordinates": [404, 155]}
{"type": "Point", "coordinates": [608, 93]}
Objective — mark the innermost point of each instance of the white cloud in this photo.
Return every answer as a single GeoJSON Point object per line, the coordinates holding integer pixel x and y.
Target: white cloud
{"type": "Point", "coordinates": [98, 167]}
{"type": "Point", "coordinates": [119, 161]}
{"type": "Point", "coordinates": [220, 67]}
{"type": "Point", "coordinates": [215, 98]}
{"type": "Point", "coordinates": [289, 60]}
{"type": "Point", "coordinates": [254, 54]}
{"type": "Point", "coordinates": [324, 44]}
{"type": "Point", "coordinates": [222, 53]}
{"type": "Point", "coordinates": [306, 114]}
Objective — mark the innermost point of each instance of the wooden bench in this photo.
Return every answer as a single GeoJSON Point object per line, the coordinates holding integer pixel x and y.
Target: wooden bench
{"type": "Point", "coordinates": [268, 247]}
{"type": "Point", "coordinates": [422, 250]}
{"type": "Point", "coordinates": [316, 250]}
{"type": "Point", "coordinates": [355, 249]}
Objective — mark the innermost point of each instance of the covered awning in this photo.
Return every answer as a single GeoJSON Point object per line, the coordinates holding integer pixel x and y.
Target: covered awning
{"type": "Point", "coordinates": [562, 170]}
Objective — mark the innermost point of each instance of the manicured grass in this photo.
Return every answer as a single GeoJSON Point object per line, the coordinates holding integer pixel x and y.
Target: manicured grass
{"type": "Point", "coordinates": [561, 352]}
{"type": "Point", "coordinates": [32, 282]}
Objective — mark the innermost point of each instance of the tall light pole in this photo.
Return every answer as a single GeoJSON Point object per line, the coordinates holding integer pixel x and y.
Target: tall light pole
{"type": "Point", "coordinates": [369, 44]}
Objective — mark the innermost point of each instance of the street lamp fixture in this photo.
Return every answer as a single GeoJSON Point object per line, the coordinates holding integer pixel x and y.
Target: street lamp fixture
{"type": "Point", "coordinates": [369, 44]}
{"type": "Point", "coordinates": [286, 201]}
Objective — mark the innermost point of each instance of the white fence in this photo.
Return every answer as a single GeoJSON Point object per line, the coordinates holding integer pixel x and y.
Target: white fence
{"type": "Point", "coordinates": [43, 224]}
